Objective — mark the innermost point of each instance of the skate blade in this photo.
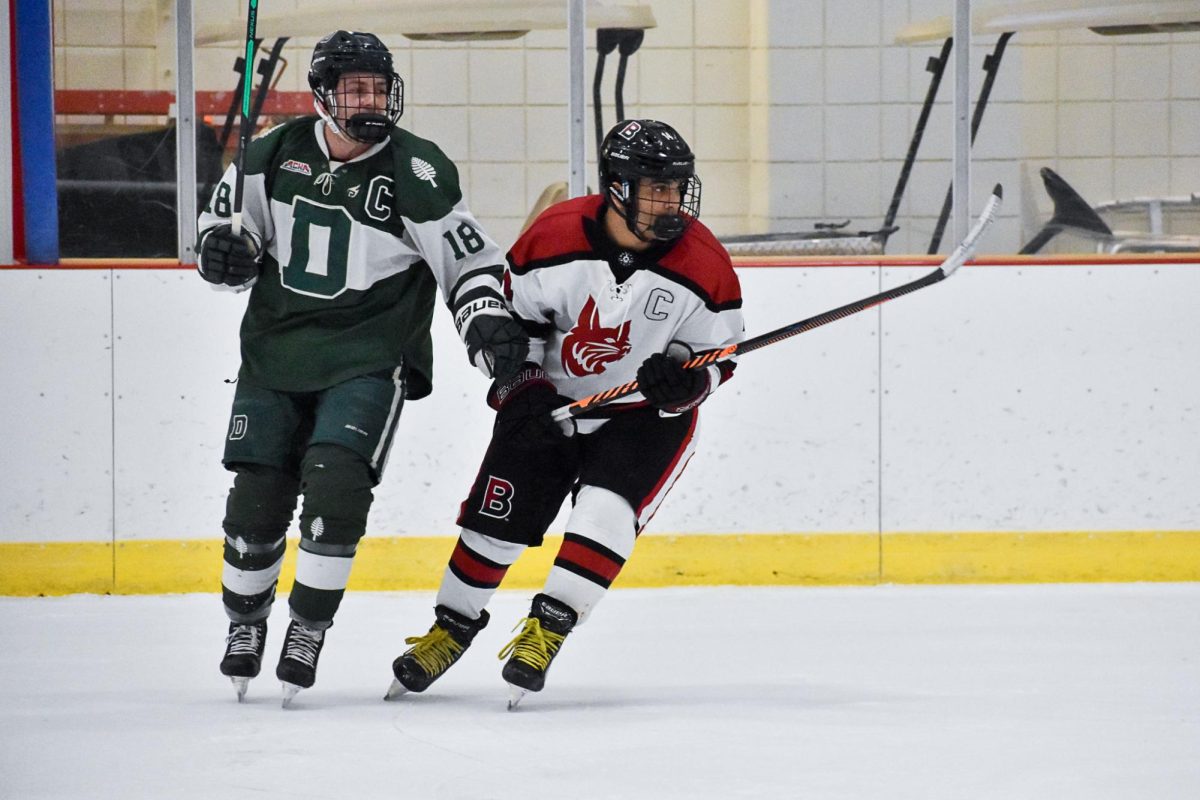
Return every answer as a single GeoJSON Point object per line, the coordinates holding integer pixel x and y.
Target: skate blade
{"type": "Point", "coordinates": [515, 693]}
{"type": "Point", "coordinates": [290, 690]}
{"type": "Point", "coordinates": [240, 685]}
{"type": "Point", "coordinates": [395, 690]}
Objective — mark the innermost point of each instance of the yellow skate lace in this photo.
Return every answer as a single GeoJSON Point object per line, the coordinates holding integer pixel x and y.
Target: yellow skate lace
{"type": "Point", "coordinates": [435, 651]}
{"type": "Point", "coordinates": [534, 644]}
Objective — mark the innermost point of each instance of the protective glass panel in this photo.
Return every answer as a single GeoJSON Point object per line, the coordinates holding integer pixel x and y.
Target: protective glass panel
{"type": "Point", "coordinates": [115, 132]}
{"type": "Point", "coordinates": [803, 117]}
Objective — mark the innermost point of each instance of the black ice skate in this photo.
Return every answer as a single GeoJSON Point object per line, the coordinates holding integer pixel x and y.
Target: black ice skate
{"type": "Point", "coordinates": [243, 654]}
{"type": "Point", "coordinates": [298, 660]}
{"type": "Point", "coordinates": [530, 653]}
{"type": "Point", "coordinates": [435, 652]}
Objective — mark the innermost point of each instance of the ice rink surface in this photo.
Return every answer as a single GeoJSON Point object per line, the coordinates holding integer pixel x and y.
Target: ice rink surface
{"type": "Point", "coordinates": [1080, 691]}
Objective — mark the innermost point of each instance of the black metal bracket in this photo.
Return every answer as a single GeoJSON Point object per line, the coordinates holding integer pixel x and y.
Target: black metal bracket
{"type": "Point", "coordinates": [991, 65]}
{"type": "Point", "coordinates": [626, 42]}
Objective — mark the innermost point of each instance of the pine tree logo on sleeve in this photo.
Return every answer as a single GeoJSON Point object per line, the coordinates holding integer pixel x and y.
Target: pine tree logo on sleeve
{"type": "Point", "coordinates": [424, 170]}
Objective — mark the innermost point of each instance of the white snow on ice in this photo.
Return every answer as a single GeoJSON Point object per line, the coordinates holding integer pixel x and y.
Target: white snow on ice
{"type": "Point", "coordinates": [973, 692]}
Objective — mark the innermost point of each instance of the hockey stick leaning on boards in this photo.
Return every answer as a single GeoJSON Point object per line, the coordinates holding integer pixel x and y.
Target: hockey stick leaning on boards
{"type": "Point", "coordinates": [944, 270]}
{"type": "Point", "coordinates": [244, 132]}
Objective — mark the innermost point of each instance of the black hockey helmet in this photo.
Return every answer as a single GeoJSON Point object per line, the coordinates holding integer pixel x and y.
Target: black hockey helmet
{"type": "Point", "coordinates": [350, 51]}
{"type": "Point", "coordinates": [647, 148]}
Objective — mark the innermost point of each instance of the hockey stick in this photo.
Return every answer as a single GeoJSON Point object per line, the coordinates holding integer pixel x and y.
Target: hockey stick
{"type": "Point", "coordinates": [709, 357]}
{"type": "Point", "coordinates": [245, 131]}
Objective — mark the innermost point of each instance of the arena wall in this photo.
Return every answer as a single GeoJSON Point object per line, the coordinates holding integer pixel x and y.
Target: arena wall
{"type": "Point", "coordinates": [1027, 420]}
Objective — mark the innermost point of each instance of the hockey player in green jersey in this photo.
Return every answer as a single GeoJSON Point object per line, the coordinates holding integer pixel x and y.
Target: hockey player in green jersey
{"type": "Point", "coordinates": [350, 228]}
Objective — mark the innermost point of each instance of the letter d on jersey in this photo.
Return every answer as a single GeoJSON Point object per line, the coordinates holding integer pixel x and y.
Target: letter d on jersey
{"type": "Point", "coordinates": [238, 426]}
{"type": "Point", "coordinates": [497, 498]}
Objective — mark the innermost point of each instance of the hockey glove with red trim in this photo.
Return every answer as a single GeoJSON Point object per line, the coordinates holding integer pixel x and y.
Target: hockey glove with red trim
{"type": "Point", "coordinates": [226, 259]}
{"type": "Point", "coordinates": [669, 387]}
{"type": "Point", "coordinates": [523, 404]}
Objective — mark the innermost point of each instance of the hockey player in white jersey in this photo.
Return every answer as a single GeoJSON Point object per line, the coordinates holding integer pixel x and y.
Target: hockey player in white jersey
{"type": "Point", "coordinates": [611, 287]}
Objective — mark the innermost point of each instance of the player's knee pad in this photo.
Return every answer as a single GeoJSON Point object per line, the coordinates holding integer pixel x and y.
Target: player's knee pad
{"type": "Point", "coordinates": [336, 484]}
{"type": "Point", "coordinates": [486, 547]}
{"type": "Point", "coordinates": [604, 517]}
{"type": "Point", "coordinates": [260, 504]}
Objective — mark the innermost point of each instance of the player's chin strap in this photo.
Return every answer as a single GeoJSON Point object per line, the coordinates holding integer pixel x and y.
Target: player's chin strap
{"type": "Point", "coordinates": [709, 357]}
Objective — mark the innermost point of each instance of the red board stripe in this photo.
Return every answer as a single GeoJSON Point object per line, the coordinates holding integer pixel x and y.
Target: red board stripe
{"type": "Point", "coordinates": [158, 103]}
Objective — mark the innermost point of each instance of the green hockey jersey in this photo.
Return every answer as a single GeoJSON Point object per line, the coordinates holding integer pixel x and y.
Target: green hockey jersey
{"type": "Point", "coordinates": [354, 254]}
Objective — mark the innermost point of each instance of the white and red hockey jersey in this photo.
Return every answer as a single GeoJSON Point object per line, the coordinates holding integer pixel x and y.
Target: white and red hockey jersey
{"type": "Point", "coordinates": [596, 311]}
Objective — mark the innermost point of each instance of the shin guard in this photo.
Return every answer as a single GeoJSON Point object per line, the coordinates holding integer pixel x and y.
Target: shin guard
{"type": "Point", "coordinates": [257, 515]}
{"type": "Point", "coordinates": [336, 484]}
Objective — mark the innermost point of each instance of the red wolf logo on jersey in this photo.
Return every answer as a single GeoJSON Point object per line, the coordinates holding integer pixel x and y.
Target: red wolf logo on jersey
{"type": "Point", "coordinates": [589, 345]}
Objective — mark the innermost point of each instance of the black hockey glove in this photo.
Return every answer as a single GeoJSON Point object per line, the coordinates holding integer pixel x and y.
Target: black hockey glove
{"type": "Point", "coordinates": [523, 404]}
{"type": "Point", "coordinates": [500, 341]}
{"type": "Point", "coordinates": [223, 258]}
{"type": "Point", "coordinates": [669, 387]}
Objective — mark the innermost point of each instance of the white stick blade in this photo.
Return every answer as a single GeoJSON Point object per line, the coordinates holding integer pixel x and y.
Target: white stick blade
{"type": "Point", "coordinates": [966, 248]}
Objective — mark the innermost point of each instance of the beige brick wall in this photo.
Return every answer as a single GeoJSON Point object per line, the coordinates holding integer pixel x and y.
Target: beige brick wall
{"type": "Point", "coordinates": [800, 111]}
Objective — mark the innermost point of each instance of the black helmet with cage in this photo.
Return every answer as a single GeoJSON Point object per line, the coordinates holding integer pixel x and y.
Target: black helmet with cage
{"type": "Point", "coordinates": [343, 52]}
{"type": "Point", "coordinates": [653, 150]}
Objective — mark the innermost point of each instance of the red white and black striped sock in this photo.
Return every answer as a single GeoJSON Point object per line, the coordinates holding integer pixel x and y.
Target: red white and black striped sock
{"type": "Point", "coordinates": [477, 566]}
{"type": "Point", "coordinates": [600, 538]}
